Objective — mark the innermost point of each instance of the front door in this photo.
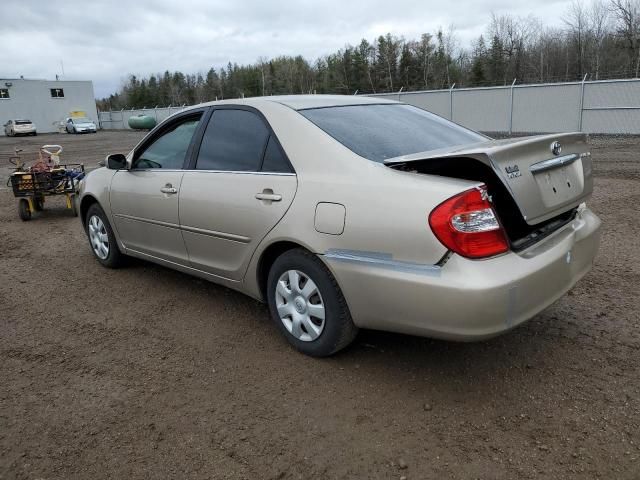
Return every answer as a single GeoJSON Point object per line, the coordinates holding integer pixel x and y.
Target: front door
{"type": "Point", "coordinates": [144, 199]}
{"type": "Point", "coordinates": [239, 187]}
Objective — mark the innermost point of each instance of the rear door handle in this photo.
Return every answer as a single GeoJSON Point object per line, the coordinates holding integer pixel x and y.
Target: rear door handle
{"type": "Point", "coordinates": [168, 188]}
{"type": "Point", "coordinates": [273, 197]}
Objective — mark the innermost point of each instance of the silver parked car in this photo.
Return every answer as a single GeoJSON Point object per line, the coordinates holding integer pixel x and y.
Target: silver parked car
{"type": "Point", "coordinates": [351, 212]}
{"type": "Point", "coordinates": [80, 125]}
{"type": "Point", "coordinates": [19, 127]}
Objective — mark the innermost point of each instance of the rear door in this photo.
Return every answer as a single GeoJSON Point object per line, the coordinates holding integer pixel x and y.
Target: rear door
{"type": "Point", "coordinates": [144, 199]}
{"type": "Point", "coordinates": [239, 185]}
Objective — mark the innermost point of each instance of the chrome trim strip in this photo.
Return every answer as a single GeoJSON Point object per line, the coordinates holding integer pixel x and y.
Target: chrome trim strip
{"type": "Point", "coordinates": [213, 233]}
{"type": "Point", "coordinates": [382, 260]}
{"type": "Point", "coordinates": [201, 231]}
{"type": "Point", "coordinates": [177, 265]}
{"type": "Point", "coordinates": [280, 174]}
{"type": "Point", "coordinates": [159, 170]}
{"type": "Point", "coordinates": [147, 220]}
{"type": "Point", "coordinates": [553, 163]}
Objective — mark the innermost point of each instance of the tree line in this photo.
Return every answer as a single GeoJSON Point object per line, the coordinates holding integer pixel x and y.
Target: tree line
{"type": "Point", "coordinates": [600, 38]}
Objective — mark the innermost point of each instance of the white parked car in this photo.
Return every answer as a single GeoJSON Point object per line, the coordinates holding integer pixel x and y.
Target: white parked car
{"type": "Point", "coordinates": [80, 125]}
{"type": "Point", "coordinates": [19, 127]}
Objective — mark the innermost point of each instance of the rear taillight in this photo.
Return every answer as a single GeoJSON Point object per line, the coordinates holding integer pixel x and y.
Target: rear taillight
{"type": "Point", "coordinates": [467, 225]}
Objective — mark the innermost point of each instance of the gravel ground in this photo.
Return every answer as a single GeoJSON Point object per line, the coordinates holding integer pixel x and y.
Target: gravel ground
{"type": "Point", "coordinates": [148, 373]}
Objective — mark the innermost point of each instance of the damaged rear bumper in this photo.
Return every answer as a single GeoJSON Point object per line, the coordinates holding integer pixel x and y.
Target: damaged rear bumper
{"type": "Point", "coordinates": [466, 299]}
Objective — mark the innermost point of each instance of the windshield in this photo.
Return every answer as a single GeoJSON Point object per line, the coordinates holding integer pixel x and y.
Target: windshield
{"type": "Point", "coordinates": [383, 131]}
{"type": "Point", "coordinates": [23, 122]}
{"type": "Point", "coordinates": [82, 120]}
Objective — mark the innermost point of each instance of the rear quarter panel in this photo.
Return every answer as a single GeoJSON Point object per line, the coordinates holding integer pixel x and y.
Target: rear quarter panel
{"type": "Point", "coordinates": [386, 210]}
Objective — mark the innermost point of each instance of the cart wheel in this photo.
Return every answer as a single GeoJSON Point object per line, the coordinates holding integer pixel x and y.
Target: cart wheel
{"type": "Point", "coordinates": [74, 207]}
{"type": "Point", "coordinates": [38, 204]}
{"type": "Point", "coordinates": [24, 210]}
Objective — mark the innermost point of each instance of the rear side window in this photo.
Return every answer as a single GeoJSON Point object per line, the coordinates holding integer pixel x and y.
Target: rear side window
{"type": "Point", "coordinates": [379, 132]}
{"type": "Point", "coordinates": [274, 160]}
{"type": "Point", "coordinates": [233, 141]}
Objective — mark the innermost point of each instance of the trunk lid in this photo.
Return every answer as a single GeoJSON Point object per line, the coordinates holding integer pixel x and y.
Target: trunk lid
{"type": "Point", "coordinates": [545, 174]}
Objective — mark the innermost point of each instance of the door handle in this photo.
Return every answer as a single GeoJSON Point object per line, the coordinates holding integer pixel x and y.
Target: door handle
{"type": "Point", "coordinates": [168, 188]}
{"type": "Point", "coordinates": [269, 196]}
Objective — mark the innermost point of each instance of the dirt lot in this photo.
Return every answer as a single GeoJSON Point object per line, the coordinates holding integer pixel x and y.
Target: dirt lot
{"type": "Point", "coordinates": [148, 373]}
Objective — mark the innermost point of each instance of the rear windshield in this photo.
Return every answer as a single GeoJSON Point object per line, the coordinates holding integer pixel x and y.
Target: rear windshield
{"type": "Point", "coordinates": [379, 132]}
{"type": "Point", "coordinates": [23, 122]}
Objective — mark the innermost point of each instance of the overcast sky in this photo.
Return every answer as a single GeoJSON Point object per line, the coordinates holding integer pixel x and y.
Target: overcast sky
{"type": "Point", "coordinates": [104, 41]}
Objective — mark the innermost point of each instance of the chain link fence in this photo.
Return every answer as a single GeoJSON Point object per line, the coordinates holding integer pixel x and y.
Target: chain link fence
{"type": "Point", "coordinates": [604, 106]}
{"type": "Point", "coordinates": [119, 119]}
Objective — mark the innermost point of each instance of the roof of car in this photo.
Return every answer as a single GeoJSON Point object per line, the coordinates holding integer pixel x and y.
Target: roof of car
{"type": "Point", "coordinates": [301, 102]}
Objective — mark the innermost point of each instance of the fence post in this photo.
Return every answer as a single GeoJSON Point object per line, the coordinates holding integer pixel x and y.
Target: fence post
{"type": "Point", "coordinates": [451, 101]}
{"type": "Point", "coordinates": [582, 101]}
{"type": "Point", "coordinates": [511, 106]}
{"type": "Point", "coordinates": [400, 92]}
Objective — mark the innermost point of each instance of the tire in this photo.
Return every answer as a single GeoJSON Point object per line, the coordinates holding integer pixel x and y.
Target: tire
{"type": "Point", "coordinates": [323, 337]}
{"type": "Point", "coordinates": [38, 204]}
{"type": "Point", "coordinates": [74, 207]}
{"type": "Point", "coordinates": [96, 230]}
{"type": "Point", "coordinates": [23, 210]}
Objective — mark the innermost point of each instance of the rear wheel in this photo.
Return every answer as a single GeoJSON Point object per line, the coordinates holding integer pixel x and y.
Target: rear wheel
{"type": "Point", "coordinates": [24, 210]}
{"type": "Point", "coordinates": [307, 305]}
{"type": "Point", "coordinates": [101, 238]}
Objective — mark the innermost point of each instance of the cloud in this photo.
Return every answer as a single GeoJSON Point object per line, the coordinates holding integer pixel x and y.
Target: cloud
{"type": "Point", "coordinates": [105, 41]}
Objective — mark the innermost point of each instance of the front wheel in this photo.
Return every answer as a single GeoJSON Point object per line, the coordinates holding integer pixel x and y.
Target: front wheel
{"type": "Point", "coordinates": [307, 305]}
{"type": "Point", "coordinates": [101, 238]}
{"type": "Point", "coordinates": [24, 210]}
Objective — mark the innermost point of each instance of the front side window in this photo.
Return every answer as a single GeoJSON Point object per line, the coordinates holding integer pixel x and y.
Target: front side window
{"type": "Point", "coordinates": [383, 131]}
{"type": "Point", "coordinates": [233, 141]}
{"type": "Point", "coordinates": [170, 148]}
{"type": "Point", "coordinates": [4, 93]}
{"type": "Point", "coordinates": [57, 93]}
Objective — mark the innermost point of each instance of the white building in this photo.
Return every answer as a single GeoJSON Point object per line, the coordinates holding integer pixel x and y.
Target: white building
{"type": "Point", "coordinates": [45, 102]}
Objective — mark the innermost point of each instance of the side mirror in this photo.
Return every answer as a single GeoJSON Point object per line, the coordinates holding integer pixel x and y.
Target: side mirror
{"type": "Point", "coordinates": [116, 161]}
